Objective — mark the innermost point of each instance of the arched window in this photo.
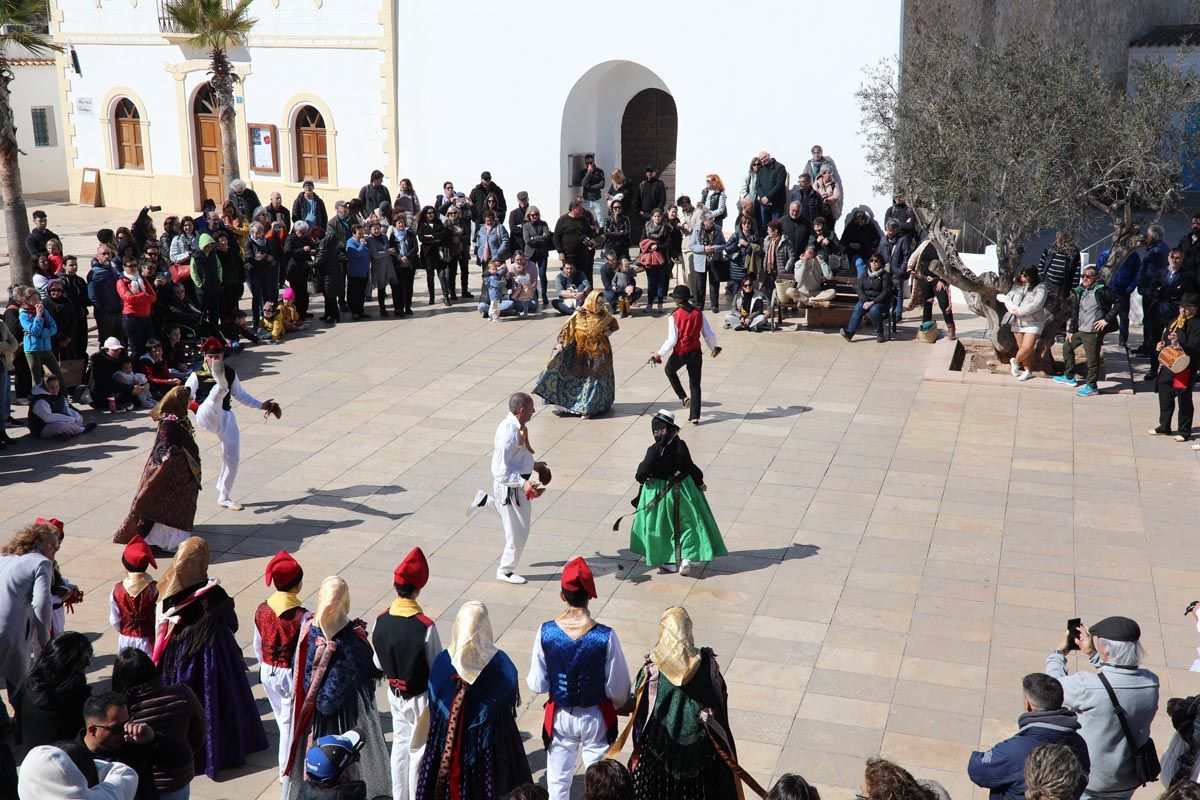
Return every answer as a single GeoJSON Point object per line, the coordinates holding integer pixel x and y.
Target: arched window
{"type": "Point", "coordinates": [312, 147]}
{"type": "Point", "coordinates": [129, 135]}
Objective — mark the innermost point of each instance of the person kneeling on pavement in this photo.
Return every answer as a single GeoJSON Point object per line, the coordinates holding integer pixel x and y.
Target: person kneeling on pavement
{"type": "Point", "coordinates": [749, 309]}
{"type": "Point", "coordinates": [1002, 769]}
{"type": "Point", "coordinates": [1093, 313]}
{"type": "Point", "coordinates": [51, 414]}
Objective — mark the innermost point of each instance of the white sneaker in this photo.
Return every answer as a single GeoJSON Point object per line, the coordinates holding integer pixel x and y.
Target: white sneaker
{"type": "Point", "coordinates": [1012, 365]}
{"type": "Point", "coordinates": [1025, 375]}
{"type": "Point", "coordinates": [685, 567]}
{"type": "Point", "coordinates": [480, 501]}
{"type": "Point", "coordinates": [510, 577]}
{"type": "Point", "coordinates": [232, 505]}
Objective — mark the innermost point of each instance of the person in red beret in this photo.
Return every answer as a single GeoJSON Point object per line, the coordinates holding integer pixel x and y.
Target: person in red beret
{"type": "Point", "coordinates": [133, 600]}
{"type": "Point", "coordinates": [579, 662]}
{"type": "Point", "coordinates": [65, 593]}
{"type": "Point", "coordinates": [276, 631]}
{"type": "Point", "coordinates": [214, 388]}
{"type": "Point", "coordinates": [406, 643]}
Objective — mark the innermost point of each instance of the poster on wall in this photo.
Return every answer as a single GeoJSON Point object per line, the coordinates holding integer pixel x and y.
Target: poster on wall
{"type": "Point", "coordinates": [83, 106]}
{"type": "Point", "coordinates": [264, 148]}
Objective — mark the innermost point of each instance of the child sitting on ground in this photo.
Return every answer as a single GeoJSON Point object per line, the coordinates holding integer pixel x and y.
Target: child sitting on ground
{"type": "Point", "coordinates": [524, 289]}
{"type": "Point", "coordinates": [291, 314]}
{"type": "Point", "coordinates": [272, 322]}
{"type": "Point", "coordinates": [134, 380]}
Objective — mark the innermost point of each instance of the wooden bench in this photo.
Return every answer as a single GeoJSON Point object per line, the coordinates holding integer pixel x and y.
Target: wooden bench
{"type": "Point", "coordinates": [833, 313]}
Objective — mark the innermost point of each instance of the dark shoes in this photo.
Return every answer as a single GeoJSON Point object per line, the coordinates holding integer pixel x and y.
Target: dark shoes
{"type": "Point", "coordinates": [467, 295]}
{"type": "Point", "coordinates": [846, 334]}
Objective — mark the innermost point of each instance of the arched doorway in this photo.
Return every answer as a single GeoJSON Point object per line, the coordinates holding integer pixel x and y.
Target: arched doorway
{"type": "Point", "coordinates": [128, 128]}
{"type": "Point", "coordinates": [602, 104]}
{"type": "Point", "coordinates": [312, 146]}
{"type": "Point", "coordinates": [649, 134]}
{"type": "Point", "coordinates": [207, 120]}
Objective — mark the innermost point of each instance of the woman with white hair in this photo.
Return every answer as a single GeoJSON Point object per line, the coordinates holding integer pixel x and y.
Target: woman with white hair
{"type": "Point", "coordinates": [335, 686]}
{"type": "Point", "coordinates": [473, 697]}
{"type": "Point", "coordinates": [1113, 646]}
{"type": "Point", "coordinates": [245, 199]}
{"type": "Point", "coordinates": [298, 251]}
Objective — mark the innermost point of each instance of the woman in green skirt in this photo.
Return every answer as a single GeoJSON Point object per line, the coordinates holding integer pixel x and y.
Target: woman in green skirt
{"type": "Point", "coordinates": [673, 525]}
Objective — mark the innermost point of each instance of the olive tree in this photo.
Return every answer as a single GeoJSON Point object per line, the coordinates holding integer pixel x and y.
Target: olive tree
{"type": "Point", "coordinates": [1022, 138]}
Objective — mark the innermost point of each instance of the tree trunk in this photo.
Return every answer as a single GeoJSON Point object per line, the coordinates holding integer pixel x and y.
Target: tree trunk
{"type": "Point", "coordinates": [16, 220]}
{"type": "Point", "coordinates": [980, 290]}
{"type": "Point", "coordinates": [222, 82]}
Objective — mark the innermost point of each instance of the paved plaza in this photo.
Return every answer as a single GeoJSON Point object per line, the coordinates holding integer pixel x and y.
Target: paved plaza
{"type": "Point", "coordinates": [901, 551]}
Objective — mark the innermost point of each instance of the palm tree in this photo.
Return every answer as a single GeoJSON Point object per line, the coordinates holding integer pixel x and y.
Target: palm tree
{"type": "Point", "coordinates": [22, 28]}
{"type": "Point", "coordinates": [216, 26]}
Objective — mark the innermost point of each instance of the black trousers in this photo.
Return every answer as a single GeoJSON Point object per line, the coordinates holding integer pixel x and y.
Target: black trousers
{"type": "Point", "coordinates": [329, 289]}
{"type": "Point", "coordinates": [704, 283]}
{"type": "Point", "coordinates": [1168, 397]}
{"type": "Point", "coordinates": [340, 278]}
{"type": "Point", "coordinates": [381, 296]}
{"type": "Point", "coordinates": [461, 265]}
{"type": "Point", "coordinates": [693, 361]}
{"type": "Point", "coordinates": [929, 293]}
{"type": "Point", "coordinates": [404, 291]}
{"type": "Point", "coordinates": [298, 280]}
{"type": "Point", "coordinates": [210, 304]}
{"type": "Point", "coordinates": [356, 294]}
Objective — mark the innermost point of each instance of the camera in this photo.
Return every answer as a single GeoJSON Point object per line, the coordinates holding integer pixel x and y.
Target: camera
{"type": "Point", "coordinates": [156, 208]}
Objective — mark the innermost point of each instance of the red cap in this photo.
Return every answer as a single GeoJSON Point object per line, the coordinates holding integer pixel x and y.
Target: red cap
{"type": "Point", "coordinates": [577, 575]}
{"type": "Point", "coordinates": [51, 521]}
{"type": "Point", "coordinates": [413, 570]}
{"type": "Point", "coordinates": [137, 555]}
{"type": "Point", "coordinates": [283, 571]}
{"type": "Point", "coordinates": [212, 346]}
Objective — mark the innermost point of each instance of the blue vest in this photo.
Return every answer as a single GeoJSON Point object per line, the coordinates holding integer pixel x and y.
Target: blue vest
{"type": "Point", "coordinates": [575, 667]}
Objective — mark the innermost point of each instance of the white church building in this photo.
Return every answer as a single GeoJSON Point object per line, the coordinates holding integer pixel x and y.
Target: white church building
{"type": "Point", "coordinates": [333, 89]}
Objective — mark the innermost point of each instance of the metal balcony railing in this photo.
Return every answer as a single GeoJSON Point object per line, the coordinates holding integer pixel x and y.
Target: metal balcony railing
{"type": "Point", "coordinates": [167, 25]}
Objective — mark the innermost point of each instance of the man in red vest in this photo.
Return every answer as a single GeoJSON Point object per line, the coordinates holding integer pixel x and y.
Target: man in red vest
{"type": "Point", "coordinates": [685, 326]}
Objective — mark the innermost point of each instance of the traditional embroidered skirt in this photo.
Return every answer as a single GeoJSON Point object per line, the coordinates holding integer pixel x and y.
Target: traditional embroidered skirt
{"type": "Point", "coordinates": [683, 515]}
{"type": "Point", "coordinates": [579, 385]}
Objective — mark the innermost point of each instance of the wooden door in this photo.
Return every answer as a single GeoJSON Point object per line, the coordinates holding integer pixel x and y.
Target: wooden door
{"type": "Point", "coordinates": [208, 157]}
{"type": "Point", "coordinates": [649, 133]}
{"type": "Point", "coordinates": [312, 146]}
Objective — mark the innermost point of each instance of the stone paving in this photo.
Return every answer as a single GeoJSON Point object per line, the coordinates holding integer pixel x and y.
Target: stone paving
{"type": "Point", "coordinates": [901, 552]}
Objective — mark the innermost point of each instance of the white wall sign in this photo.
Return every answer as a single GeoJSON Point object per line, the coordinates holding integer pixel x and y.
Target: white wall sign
{"type": "Point", "coordinates": [83, 106]}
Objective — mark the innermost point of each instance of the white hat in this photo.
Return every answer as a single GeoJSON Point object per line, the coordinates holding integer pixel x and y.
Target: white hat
{"type": "Point", "coordinates": [49, 772]}
{"type": "Point", "coordinates": [113, 343]}
{"type": "Point", "coordinates": [666, 416]}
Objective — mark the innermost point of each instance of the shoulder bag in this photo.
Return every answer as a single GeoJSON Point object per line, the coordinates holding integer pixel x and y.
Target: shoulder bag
{"type": "Point", "coordinates": [1145, 758]}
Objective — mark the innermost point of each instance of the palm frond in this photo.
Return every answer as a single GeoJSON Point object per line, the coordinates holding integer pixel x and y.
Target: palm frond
{"type": "Point", "coordinates": [22, 20]}
{"type": "Point", "coordinates": [211, 24]}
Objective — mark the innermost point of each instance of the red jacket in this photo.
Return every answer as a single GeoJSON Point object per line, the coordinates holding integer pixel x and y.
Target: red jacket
{"type": "Point", "coordinates": [158, 373]}
{"type": "Point", "coordinates": [138, 305]}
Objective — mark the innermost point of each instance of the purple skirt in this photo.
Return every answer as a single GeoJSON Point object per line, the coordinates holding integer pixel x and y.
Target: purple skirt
{"type": "Point", "coordinates": [217, 674]}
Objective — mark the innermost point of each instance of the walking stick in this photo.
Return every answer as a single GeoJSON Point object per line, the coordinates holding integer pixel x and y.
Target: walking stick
{"type": "Point", "coordinates": [674, 481]}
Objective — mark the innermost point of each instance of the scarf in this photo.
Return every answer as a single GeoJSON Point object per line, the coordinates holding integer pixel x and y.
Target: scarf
{"type": "Point", "coordinates": [135, 283]}
{"type": "Point", "coordinates": [333, 606]}
{"type": "Point", "coordinates": [676, 655]}
{"type": "Point", "coordinates": [283, 602]}
{"type": "Point", "coordinates": [654, 232]}
{"type": "Point", "coordinates": [707, 236]}
{"type": "Point", "coordinates": [588, 328]}
{"type": "Point", "coordinates": [404, 607]}
{"type": "Point", "coordinates": [188, 568]}
{"type": "Point", "coordinates": [135, 582]}
{"type": "Point", "coordinates": [472, 646]}
{"type": "Point", "coordinates": [575, 622]}
{"type": "Point", "coordinates": [771, 245]}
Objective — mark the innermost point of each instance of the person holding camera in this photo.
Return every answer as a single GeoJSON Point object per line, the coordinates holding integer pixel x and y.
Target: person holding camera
{"type": "Point", "coordinates": [1115, 704]}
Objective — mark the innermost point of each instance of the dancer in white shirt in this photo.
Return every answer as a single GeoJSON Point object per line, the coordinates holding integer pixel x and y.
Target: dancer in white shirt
{"type": "Point", "coordinates": [214, 412]}
{"type": "Point", "coordinates": [513, 488]}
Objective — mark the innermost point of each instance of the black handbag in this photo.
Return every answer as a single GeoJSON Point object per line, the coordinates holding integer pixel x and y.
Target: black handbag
{"type": "Point", "coordinates": [1145, 758]}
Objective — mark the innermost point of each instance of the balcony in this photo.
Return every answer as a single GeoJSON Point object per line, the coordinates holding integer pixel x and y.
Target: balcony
{"type": "Point", "coordinates": [170, 30]}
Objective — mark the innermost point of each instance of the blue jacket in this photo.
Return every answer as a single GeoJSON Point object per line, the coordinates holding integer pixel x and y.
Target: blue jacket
{"type": "Point", "coordinates": [358, 258]}
{"type": "Point", "coordinates": [497, 241]}
{"type": "Point", "coordinates": [1152, 266]}
{"type": "Point", "coordinates": [102, 289]}
{"type": "Point", "coordinates": [1002, 769]}
{"type": "Point", "coordinates": [38, 330]}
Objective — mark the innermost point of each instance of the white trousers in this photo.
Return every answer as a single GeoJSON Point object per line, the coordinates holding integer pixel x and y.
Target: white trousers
{"type": "Point", "coordinates": [52, 429]}
{"type": "Point", "coordinates": [166, 537]}
{"type": "Point", "coordinates": [515, 517]}
{"type": "Point", "coordinates": [217, 420]}
{"type": "Point", "coordinates": [410, 729]}
{"type": "Point", "coordinates": [277, 681]}
{"type": "Point", "coordinates": [575, 729]}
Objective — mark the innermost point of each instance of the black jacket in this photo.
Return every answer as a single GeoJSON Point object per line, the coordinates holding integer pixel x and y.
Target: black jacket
{"type": "Point", "coordinates": [811, 204]}
{"type": "Point", "coordinates": [876, 289]}
{"type": "Point", "coordinates": [629, 197]}
{"type": "Point", "coordinates": [1106, 300]}
{"type": "Point", "coordinates": [537, 238]}
{"type": "Point", "coordinates": [616, 235]}
{"type": "Point", "coordinates": [796, 231]}
{"type": "Point", "coordinates": [569, 234]}
{"type": "Point", "coordinates": [772, 184]}
{"type": "Point", "coordinates": [903, 215]}
{"type": "Point", "coordinates": [374, 196]}
{"type": "Point", "coordinates": [516, 236]}
{"type": "Point", "coordinates": [591, 183]}
{"type": "Point", "coordinates": [350, 790]}
{"type": "Point", "coordinates": [48, 717]}
{"type": "Point", "coordinates": [652, 194]}
{"type": "Point", "coordinates": [1191, 254]}
{"type": "Point", "coordinates": [663, 462]}
{"type": "Point", "coordinates": [298, 210]}
{"type": "Point", "coordinates": [479, 196]}
{"type": "Point", "coordinates": [138, 757]}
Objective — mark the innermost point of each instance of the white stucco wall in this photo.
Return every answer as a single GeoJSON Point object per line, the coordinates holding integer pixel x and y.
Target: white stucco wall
{"type": "Point", "coordinates": [43, 169]}
{"type": "Point", "coordinates": [732, 69]}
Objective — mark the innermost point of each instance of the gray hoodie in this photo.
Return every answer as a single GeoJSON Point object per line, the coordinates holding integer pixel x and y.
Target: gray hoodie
{"type": "Point", "coordinates": [1112, 774]}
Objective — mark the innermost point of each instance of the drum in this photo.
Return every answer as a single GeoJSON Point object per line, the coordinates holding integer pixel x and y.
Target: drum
{"type": "Point", "coordinates": [1174, 359]}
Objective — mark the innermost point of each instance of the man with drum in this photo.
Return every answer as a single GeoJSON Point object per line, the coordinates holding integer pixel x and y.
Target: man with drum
{"type": "Point", "coordinates": [1180, 340]}
{"type": "Point", "coordinates": [1093, 312]}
